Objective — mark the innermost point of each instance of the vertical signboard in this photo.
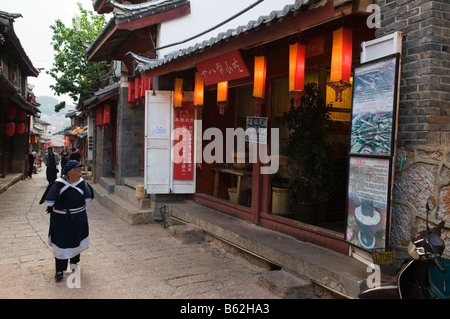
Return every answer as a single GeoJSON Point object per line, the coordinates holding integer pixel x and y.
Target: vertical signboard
{"type": "Point", "coordinates": [183, 143]}
{"type": "Point", "coordinates": [372, 150]}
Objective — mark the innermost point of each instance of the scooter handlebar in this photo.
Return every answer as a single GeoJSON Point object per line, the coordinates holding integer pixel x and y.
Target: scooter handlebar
{"type": "Point", "coordinates": [439, 264]}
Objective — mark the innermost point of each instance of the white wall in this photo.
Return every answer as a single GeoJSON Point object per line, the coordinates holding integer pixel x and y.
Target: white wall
{"type": "Point", "coordinates": [208, 13]}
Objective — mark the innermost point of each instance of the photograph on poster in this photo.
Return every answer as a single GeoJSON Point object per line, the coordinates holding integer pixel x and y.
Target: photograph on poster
{"type": "Point", "coordinates": [368, 190]}
{"type": "Point", "coordinates": [372, 107]}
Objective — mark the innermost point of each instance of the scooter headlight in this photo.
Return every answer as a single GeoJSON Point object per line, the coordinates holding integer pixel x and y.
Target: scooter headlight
{"type": "Point", "coordinates": [412, 251]}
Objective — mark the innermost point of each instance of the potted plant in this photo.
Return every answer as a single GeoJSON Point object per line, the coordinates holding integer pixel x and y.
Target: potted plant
{"type": "Point", "coordinates": [307, 155]}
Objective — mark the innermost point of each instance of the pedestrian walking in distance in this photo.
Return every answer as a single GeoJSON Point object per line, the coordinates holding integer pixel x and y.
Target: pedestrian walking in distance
{"type": "Point", "coordinates": [51, 160]}
{"type": "Point", "coordinates": [66, 199]}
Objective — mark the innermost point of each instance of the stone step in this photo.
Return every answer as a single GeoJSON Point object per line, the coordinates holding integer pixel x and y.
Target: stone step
{"type": "Point", "coordinates": [108, 183]}
{"type": "Point", "coordinates": [129, 194]}
{"type": "Point", "coordinates": [287, 286]}
{"type": "Point", "coordinates": [127, 211]}
{"type": "Point", "coordinates": [121, 207]}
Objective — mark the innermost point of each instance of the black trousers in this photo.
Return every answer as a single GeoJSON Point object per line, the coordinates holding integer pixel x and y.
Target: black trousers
{"type": "Point", "coordinates": [61, 264]}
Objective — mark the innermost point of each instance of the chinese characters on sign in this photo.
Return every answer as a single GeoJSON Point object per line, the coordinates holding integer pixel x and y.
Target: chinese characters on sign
{"type": "Point", "coordinates": [227, 67]}
{"type": "Point", "coordinates": [183, 163]}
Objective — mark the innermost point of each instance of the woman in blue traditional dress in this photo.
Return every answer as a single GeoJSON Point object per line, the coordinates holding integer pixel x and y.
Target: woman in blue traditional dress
{"type": "Point", "coordinates": [66, 199]}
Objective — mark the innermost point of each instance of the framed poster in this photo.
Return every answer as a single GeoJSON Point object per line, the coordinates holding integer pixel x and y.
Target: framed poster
{"type": "Point", "coordinates": [368, 202]}
{"type": "Point", "coordinates": [374, 106]}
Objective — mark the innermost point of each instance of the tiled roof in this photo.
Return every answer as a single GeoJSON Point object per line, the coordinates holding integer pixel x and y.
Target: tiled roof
{"type": "Point", "coordinates": [273, 16]}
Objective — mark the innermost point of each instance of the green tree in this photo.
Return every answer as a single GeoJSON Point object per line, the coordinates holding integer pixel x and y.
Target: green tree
{"type": "Point", "coordinates": [73, 73]}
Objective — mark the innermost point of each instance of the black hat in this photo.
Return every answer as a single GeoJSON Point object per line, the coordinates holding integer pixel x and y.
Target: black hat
{"type": "Point", "coordinates": [71, 165]}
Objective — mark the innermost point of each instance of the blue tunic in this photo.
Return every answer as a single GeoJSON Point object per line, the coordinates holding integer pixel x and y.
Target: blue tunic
{"type": "Point", "coordinates": [69, 230]}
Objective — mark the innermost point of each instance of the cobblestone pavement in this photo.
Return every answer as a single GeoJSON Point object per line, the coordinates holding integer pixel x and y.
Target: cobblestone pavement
{"type": "Point", "coordinates": [123, 261]}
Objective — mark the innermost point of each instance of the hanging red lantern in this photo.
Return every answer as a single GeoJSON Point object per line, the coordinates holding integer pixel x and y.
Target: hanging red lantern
{"type": "Point", "coordinates": [106, 114]}
{"type": "Point", "coordinates": [11, 113]}
{"type": "Point", "coordinates": [178, 93]}
{"type": "Point", "coordinates": [297, 71]}
{"type": "Point", "coordinates": [341, 61]}
{"type": "Point", "coordinates": [137, 88]}
{"type": "Point", "coordinates": [259, 82]}
{"type": "Point", "coordinates": [20, 128]}
{"type": "Point", "coordinates": [222, 96]}
{"type": "Point", "coordinates": [130, 91]}
{"type": "Point", "coordinates": [10, 128]}
{"type": "Point", "coordinates": [199, 89]}
{"type": "Point", "coordinates": [99, 116]}
{"type": "Point", "coordinates": [145, 86]}
{"type": "Point", "coordinates": [21, 115]}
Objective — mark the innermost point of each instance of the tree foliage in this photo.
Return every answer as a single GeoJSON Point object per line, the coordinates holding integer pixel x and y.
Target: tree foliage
{"type": "Point", "coordinates": [73, 73]}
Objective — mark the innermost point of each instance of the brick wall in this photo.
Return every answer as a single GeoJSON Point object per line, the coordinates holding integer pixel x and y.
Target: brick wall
{"type": "Point", "coordinates": [424, 112]}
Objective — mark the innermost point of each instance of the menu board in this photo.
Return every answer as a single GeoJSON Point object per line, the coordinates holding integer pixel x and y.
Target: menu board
{"type": "Point", "coordinates": [373, 99]}
{"type": "Point", "coordinates": [372, 138]}
{"type": "Point", "coordinates": [368, 189]}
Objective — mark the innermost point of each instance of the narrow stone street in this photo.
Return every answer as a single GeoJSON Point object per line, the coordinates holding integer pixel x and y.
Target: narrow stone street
{"type": "Point", "coordinates": [123, 261]}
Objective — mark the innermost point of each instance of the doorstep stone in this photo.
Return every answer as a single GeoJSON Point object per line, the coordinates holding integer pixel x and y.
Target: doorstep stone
{"type": "Point", "coordinates": [287, 286]}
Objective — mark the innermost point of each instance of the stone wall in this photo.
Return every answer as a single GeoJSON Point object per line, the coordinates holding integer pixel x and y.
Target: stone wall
{"type": "Point", "coordinates": [131, 132]}
{"type": "Point", "coordinates": [423, 144]}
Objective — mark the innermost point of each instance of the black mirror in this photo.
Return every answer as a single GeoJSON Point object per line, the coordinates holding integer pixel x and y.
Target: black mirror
{"type": "Point", "coordinates": [431, 203]}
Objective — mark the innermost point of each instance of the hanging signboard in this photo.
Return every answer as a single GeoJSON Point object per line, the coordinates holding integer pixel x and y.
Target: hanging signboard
{"type": "Point", "coordinates": [226, 67]}
{"type": "Point", "coordinates": [372, 149]}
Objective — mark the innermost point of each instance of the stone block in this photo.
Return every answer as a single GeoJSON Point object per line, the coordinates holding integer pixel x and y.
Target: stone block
{"type": "Point", "coordinates": [188, 233]}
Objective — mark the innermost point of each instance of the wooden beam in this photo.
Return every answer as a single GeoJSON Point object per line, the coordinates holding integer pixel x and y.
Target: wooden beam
{"type": "Point", "coordinates": [156, 18]}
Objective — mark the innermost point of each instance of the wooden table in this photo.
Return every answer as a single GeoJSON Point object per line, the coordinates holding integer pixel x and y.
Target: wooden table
{"type": "Point", "coordinates": [233, 171]}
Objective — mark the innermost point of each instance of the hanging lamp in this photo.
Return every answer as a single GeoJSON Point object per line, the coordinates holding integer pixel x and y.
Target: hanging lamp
{"type": "Point", "coordinates": [199, 91]}
{"type": "Point", "coordinates": [297, 55]}
{"type": "Point", "coordinates": [178, 93]}
{"type": "Point", "coordinates": [341, 61]}
{"type": "Point", "coordinates": [259, 82]}
{"type": "Point", "coordinates": [222, 96]}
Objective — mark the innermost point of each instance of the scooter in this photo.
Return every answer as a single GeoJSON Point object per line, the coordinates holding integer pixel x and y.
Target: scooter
{"type": "Point", "coordinates": [426, 275]}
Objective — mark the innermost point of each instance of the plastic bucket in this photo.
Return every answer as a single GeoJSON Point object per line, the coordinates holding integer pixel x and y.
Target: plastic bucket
{"type": "Point", "coordinates": [281, 200]}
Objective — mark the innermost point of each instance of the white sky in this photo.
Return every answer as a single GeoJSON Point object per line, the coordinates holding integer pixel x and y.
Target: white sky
{"type": "Point", "coordinates": [34, 33]}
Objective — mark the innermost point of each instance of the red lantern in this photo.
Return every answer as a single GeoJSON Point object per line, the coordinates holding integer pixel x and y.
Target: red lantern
{"type": "Point", "coordinates": [99, 116]}
{"type": "Point", "coordinates": [222, 96]}
{"type": "Point", "coordinates": [178, 93]}
{"type": "Point", "coordinates": [341, 61]}
{"type": "Point", "coordinates": [11, 113]}
{"type": "Point", "coordinates": [130, 91]}
{"type": "Point", "coordinates": [297, 53]}
{"type": "Point", "coordinates": [145, 86]}
{"type": "Point", "coordinates": [20, 128]}
{"type": "Point", "coordinates": [199, 89]}
{"type": "Point", "coordinates": [21, 116]}
{"type": "Point", "coordinates": [10, 128]}
{"type": "Point", "coordinates": [259, 84]}
{"type": "Point", "coordinates": [137, 88]}
{"type": "Point", "coordinates": [106, 114]}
